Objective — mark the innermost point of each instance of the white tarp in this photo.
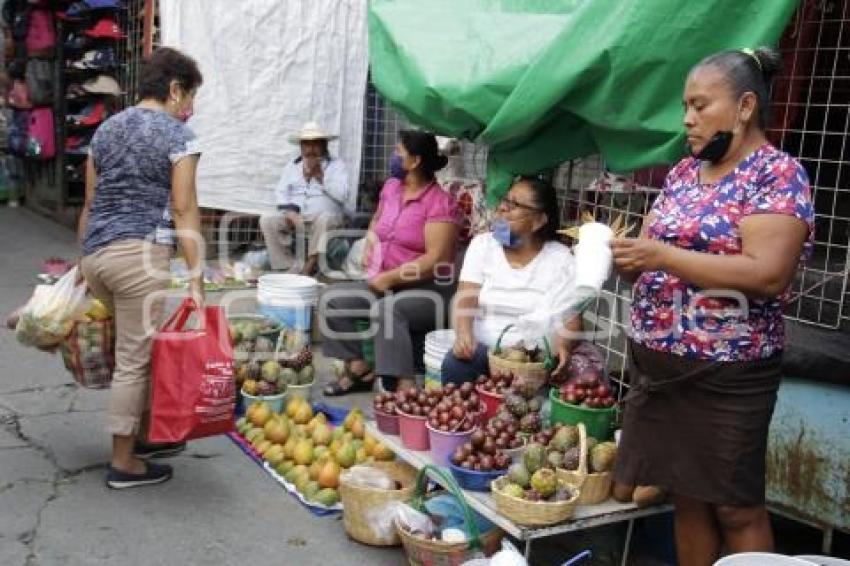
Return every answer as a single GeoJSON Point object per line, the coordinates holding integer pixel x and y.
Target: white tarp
{"type": "Point", "coordinates": [269, 66]}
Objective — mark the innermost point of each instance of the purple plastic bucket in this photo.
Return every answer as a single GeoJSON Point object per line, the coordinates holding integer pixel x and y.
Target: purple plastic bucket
{"type": "Point", "coordinates": [443, 444]}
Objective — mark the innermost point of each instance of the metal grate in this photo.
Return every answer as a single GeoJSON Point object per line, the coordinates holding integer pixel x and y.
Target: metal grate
{"type": "Point", "coordinates": [811, 123]}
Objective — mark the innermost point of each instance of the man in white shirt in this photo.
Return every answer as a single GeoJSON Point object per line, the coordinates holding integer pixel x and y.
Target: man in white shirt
{"type": "Point", "coordinates": [311, 197]}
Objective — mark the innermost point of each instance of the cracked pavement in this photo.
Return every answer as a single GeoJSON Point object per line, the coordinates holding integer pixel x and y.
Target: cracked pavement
{"type": "Point", "coordinates": [220, 508]}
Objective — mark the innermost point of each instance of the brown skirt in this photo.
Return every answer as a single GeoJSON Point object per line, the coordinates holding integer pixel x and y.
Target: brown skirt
{"type": "Point", "coordinates": [698, 428]}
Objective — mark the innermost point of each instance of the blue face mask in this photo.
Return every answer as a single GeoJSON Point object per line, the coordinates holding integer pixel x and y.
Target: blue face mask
{"type": "Point", "coordinates": [501, 230]}
{"type": "Point", "coordinates": [397, 168]}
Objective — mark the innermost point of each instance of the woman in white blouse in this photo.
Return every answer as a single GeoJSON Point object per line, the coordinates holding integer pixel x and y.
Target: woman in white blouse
{"type": "Point", "coordinates": [514, 270]}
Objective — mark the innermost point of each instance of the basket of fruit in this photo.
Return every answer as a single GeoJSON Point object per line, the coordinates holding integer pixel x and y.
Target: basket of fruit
{"type": "Point", "coordinates": [549, 500]}
{"type": "Point", "coordinates": [423, 551]}
{"type": "Point", "coordinates": [386, 416]}
{"type": "Point", "coordinates": [530, 480]}
{"type": "Point", "coordinates": [585, 401]}
{"type": "Point", "coordinates": [531, 365]}
{"type": "Point", "coordinates": [594, 470]}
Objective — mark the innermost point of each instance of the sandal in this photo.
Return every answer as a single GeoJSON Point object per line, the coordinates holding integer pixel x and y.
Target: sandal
{"type": "Point", "coordinates": [359, 383]}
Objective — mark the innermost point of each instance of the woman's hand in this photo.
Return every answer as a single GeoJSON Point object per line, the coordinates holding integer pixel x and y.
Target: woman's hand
{"type": "Point", "coordinates": [564, 349]}
{"type": "Point", "coordinates": [196, 291]}
{"type": "Point", "coordinates": [464, 346]}
{"type": "Point", "coordinates": [382, 283]}
{"type": "Point", "coordinates": [370, 241]}
{"type": "Point", "coordinates": [635, 255]}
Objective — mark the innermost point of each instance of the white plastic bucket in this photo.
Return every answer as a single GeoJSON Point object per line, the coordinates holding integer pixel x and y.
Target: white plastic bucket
{"type": "Point", "coordinates": [761, 559]}
{"type": "Point", "coordinates": [288, 299]}
{"type": "Point", "coordinates": [824, 560]}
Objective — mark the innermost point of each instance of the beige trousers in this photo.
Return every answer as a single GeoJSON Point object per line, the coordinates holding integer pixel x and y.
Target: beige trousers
{"type": "Point", "coordinates": [278, 234]}
{"type": "Point", "coordinates": [125, 275]}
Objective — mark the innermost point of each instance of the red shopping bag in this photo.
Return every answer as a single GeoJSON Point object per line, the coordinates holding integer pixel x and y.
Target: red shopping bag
{"type": "Point", "coordinates": [193, 393]}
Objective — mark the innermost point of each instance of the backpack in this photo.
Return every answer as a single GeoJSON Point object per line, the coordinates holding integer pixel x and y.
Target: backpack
{"type": "Point", "coordinates": [40, 82]}
{"type": "Point", "coordinates": [41, 37]}
{"type": "Point", "coordinates": [41, 142]}
{"type": "Point", "coordinates": [19, 96]}
{"type": "Point", "coordinates": [19, 132]}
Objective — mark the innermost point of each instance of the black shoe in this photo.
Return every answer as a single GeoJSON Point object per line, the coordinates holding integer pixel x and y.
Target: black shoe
{"type": "Point", "coordinates": [144, 451]}
{"type": "Point", "coordinates": [153, 474]}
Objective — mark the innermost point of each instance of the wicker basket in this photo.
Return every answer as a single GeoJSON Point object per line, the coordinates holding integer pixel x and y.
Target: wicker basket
{"type": "Point", "coordinates": [532, 513]}
{"type": "Point", "coordinates": [424, 552]}
{"type": "Point", "coordinates": [535, 373]}
{"type": "Point", "coordinates": [359, 503]}
{"type": "Point", "coordinates": [595, 488]}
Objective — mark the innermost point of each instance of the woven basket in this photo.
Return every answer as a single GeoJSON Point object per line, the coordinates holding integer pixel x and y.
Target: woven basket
{"type": "Point", "coordinates": [424, 552]}
{"type": "Point", "coordinates": [359, 504]}
{"type": "Point", "coordinates": [534, 373]}
{"type": "Point", "coordinates": [595, 488]}
{"type": "Point", "coordinates": [532, 513]}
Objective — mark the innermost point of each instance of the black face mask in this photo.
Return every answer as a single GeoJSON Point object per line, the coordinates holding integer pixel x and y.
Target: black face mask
{"type": "Point", "coordinates": [716, 147]}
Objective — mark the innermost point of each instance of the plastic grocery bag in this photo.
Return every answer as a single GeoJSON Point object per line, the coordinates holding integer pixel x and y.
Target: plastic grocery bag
{"type": "Point", "coordinates": [413, 521]}
{"type": "Point", "coordinates": [508, 556]}
{"type": "Point", "coordinates": [368, 476]}
{"type": "Point", "coordinates": [193, 392]}
{"type": "Point", "coordinates": [50, 314]}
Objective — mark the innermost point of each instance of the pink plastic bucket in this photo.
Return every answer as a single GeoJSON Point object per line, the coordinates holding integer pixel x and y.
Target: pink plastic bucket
{"type": "Point", "coordinates": [388, 424]}
{"type": "Point", "coordinates": [413, 433]}
{"type": "Point", "coordinates": [443, 444]}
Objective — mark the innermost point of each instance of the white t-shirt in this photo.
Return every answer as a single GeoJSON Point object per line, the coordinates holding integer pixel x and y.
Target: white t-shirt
{"type": "Point", "coordinates": [508, 293]}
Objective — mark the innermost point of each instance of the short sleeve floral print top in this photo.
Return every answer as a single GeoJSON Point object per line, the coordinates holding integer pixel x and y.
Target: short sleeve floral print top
{"type": "Point", "coordinates": [671, 315]}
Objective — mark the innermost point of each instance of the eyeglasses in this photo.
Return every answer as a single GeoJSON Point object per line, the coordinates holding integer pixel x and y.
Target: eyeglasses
{"type": "Point", "coordinates": [510, 205]}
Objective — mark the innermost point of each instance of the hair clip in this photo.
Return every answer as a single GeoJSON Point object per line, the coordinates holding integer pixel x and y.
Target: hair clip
{"type": "Point", "coordinates": [750, 53]}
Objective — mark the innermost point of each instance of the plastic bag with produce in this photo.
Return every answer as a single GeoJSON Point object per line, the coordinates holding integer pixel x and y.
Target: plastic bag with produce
{"type": "Point", "coordinates": [50, 314]}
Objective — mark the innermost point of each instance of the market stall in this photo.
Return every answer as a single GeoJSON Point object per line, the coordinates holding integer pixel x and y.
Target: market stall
{"type": "Point", "coordinates": [584, 517]}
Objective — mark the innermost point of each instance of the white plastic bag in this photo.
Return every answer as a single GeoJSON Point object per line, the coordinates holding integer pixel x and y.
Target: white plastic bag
{"type": "Point", "coordinates": [368, 476]}
{"type": "Point", "coordinates": [414, 522]}
{"type": "Point", "coordinates": [508, 556]}
{"type": "Point", "coordinates": [50, 314]}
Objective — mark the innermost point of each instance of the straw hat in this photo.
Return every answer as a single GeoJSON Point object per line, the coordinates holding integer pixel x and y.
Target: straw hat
{"type": "Point", "coordinates": [311, 131]}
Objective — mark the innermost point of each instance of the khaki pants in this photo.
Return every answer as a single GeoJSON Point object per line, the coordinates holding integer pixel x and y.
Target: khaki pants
{"type": "Point", "coordinates": [278, 235]}
{"type": "Point", "coordinates": [124, 275]}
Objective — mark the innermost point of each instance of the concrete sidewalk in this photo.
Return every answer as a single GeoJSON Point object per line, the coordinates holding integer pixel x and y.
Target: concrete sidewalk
{"type": "Point", "coordinates": [220, 508]}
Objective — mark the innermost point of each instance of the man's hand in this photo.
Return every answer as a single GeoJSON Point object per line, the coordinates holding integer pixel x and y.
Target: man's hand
{"type": "Point", "coordinates": [635, 255]}
{"type": "Point", "coordinates": [291, 218]}
{"type": "Point", "coordinates": [313, 170]}
{"type": "Point", "coordinates": [464, 346]}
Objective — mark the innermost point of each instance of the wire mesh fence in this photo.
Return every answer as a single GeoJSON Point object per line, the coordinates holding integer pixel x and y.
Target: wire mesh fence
{"type": "Point", "coordinates": [810, 107]}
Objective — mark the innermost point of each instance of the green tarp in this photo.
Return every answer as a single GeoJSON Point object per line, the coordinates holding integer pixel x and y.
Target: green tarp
{"type": "Point", "coordinates": [543, 81]}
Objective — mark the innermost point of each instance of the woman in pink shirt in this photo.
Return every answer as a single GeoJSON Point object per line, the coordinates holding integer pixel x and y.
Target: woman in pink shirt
{"type": "Point", "coordinates": [410, 259]}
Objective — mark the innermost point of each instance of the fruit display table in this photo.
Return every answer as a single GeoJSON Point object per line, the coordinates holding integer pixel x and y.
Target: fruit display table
{"type": "Point", "coordinates": [586, 516]}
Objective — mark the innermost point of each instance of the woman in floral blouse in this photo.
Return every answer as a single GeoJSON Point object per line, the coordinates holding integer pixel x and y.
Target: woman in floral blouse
{"type": "Point", "coordinates": [712, 269]}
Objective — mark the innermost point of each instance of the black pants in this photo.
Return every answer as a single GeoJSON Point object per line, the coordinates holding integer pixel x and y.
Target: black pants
{"type": "Point", "coordinates": [395, 317]}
